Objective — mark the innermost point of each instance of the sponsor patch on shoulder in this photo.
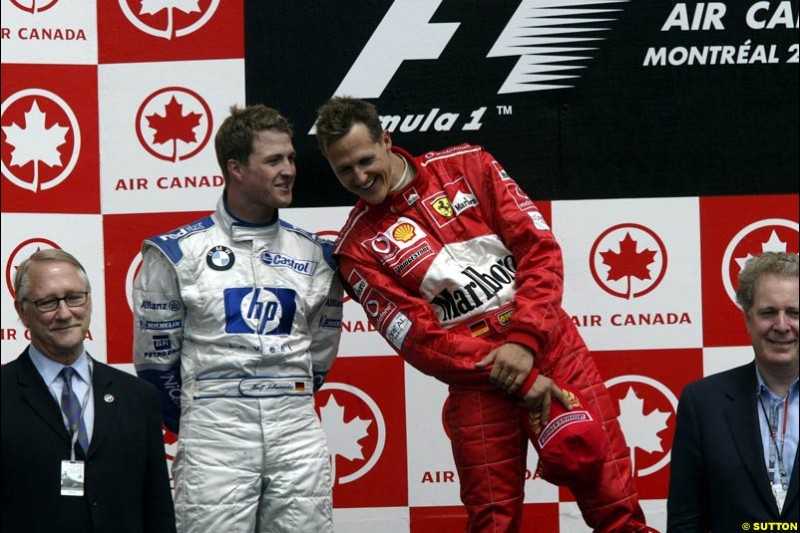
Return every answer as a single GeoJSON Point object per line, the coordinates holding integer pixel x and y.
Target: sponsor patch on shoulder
{"type": "Point", "coordinates": [397, 330]}
{"type": "Point", "coordinates": [359, 284]}
{"type": "Point", "coordinates": [538, 221]}
{"type": "Point", "coordinates": [500, 171]}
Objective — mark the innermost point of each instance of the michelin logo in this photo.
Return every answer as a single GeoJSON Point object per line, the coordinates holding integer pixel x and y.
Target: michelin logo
{"type": "Point", "coordinates": [301, 266]}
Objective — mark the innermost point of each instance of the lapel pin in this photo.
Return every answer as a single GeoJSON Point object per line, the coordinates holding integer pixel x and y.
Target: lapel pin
{"type": "Point", "coordinates": [108, 398]}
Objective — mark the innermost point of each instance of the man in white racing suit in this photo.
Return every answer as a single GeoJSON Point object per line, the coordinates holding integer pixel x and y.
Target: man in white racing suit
{"type": "Point", "coordinates": [237, 322]}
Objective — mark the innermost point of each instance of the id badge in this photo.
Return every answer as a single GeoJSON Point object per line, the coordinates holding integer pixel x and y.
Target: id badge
{"type": "Point", "coordinates": [72, 478]}
{"type": "Point", "coordinates": [779, 491]}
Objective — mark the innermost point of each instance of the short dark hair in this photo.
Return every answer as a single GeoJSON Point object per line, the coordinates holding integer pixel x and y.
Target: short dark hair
{"type": "Point", "coordinates": [336, 117]}
{"type": "Point", "coordinates": [22, 279]}
{"type": "Point", "coordinates": [234, 139]}
{"type": "Point", "coordinates": [780, 263]}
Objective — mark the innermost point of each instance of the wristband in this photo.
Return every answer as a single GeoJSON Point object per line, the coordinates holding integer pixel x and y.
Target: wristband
{"type": "Point", "coordinates": [527, 384]}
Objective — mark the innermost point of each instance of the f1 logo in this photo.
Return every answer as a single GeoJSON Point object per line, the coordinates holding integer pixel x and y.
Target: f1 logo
{"type": "Point", "coordinates": [533, 31]}
{"type": "Point", "coordinates": [381, 57]}
{"type": "Point", "coordinates": [263, 310]}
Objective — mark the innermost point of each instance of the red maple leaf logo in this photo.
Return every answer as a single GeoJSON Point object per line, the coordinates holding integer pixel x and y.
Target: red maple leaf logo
{"type": "Point", "coordinates": [174, 126]}
{"type": "Point", "coordinates": [628, 262]}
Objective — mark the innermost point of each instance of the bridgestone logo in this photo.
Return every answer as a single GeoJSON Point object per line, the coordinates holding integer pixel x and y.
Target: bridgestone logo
{"type": "Point", "coordinates": [416, 255]}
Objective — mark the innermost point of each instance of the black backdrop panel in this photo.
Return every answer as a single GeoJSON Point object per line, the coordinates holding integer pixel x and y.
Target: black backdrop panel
{"type": "Point", "coordinates": [725, 124]}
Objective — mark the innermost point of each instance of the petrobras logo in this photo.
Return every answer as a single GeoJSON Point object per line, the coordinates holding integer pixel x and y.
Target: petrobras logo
{"type": "Point", "coordinates": [44, 139]}
{"type": "Point", "coordinates": [552, 40]}
{"type": "Point", "coordinates": [301, 266]}
{"type": "Point", "coordinates": [168, 20]}
{"type": "Point", "coordinates": [162, 342]}
{"type": "Point", "coordinates": [260, 310]}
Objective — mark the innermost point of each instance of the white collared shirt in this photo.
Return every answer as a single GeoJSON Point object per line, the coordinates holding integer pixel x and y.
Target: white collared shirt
{"type": "Point", "coordinates": [790, 439]}
{"type": "Point", "coordinates": [50, 370]}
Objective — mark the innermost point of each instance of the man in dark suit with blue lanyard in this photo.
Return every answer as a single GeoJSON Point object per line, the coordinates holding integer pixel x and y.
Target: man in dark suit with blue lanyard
{"type": "Point", "coordinates": [734, 456]}
{"type": "Point", "coordinates": [82, 446]}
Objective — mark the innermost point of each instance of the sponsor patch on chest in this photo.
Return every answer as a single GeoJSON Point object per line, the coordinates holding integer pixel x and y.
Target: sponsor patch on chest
{"type": "Point", "coordinates": [401, 247]}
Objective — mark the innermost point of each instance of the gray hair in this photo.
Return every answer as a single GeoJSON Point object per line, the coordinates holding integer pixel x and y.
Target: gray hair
{"type": "Point", "coordinates": [779, 263]}
{"type": "Point", "coordinates": [22, 279]}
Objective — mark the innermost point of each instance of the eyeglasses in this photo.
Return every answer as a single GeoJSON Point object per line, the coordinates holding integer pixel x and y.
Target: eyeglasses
{"type": "Point", "coordinates": [73, 299]}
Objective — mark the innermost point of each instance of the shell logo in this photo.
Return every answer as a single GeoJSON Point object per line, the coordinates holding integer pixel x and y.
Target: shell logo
{"type": "Point", "coordinates": [404, 232]}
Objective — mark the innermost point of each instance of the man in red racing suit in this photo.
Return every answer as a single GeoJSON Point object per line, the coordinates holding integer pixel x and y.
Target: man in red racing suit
{"type": "Point", "coordinates": [457, 269]}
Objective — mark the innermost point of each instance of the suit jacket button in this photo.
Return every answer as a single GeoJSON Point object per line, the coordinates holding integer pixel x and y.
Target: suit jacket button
{"type": "Point", "coordinates": [94, 503]}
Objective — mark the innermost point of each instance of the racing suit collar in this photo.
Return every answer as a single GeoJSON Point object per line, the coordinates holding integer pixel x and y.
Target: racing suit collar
{"type": "Point", "coordinates": [241, 230]}
{"type": "Point", "coordinates": [404, 198]}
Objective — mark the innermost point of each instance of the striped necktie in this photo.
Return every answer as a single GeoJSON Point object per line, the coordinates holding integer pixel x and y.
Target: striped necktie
{"type": "Point", "coordinates": [72, 408]}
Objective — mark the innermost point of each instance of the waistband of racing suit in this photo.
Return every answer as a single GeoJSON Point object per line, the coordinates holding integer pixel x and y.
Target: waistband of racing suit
{"type": "Point", "coordinates": [253, 387]}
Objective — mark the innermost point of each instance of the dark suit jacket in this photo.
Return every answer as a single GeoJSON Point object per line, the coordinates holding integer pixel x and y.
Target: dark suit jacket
{"type": "Point", "coordinates": [126, 481]}
{"type": "Point", "coordinates": [718, 477]}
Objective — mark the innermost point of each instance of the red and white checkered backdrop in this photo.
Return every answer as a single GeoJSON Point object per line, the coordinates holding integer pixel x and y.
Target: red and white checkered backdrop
{"type": "Point", "coordinates": [108, 109]}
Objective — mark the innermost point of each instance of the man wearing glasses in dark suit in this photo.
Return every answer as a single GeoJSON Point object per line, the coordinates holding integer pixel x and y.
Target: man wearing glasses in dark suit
{"type": "Point", "coordinates": [82, 446]}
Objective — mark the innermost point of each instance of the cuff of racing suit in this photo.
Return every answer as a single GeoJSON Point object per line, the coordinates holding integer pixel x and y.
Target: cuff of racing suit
{"type": "Point", "coordinates": [525, 338]}
{"type": "Point", "coordinates": [527, 384]}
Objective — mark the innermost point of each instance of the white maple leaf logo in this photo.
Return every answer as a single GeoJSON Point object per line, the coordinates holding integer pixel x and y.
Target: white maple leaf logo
{"type": "Point", "coordinates": [774, 244]}
{"type": "Point", "coordinates": [35, 142]}
{"type": "Point", "coordinates": [342, 436]}
{"type": "Point", "coordinates": [641, 430]}
{"type": "Point", "coordinates": [151, 7]}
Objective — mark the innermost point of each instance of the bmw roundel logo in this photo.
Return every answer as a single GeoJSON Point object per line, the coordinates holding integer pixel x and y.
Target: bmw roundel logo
{"type": "Point", "coordinates": [220, 258]}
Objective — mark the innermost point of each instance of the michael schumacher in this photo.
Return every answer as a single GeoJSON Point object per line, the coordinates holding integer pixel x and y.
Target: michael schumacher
{"type": "Point", "coordinates": [458, 270]}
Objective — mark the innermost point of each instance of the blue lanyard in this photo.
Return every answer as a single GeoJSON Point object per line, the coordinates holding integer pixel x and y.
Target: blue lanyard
{"type": "Point", "coordinates": [776, 451]}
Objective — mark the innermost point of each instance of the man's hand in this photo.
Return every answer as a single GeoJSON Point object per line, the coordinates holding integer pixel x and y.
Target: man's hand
{"type": "Point", "coordinates": [539, 396]}
{"type": "Point", "coordinates": [511, 363]}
